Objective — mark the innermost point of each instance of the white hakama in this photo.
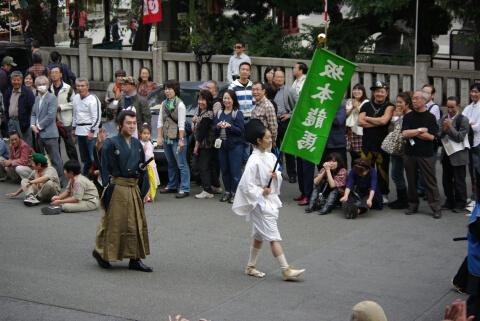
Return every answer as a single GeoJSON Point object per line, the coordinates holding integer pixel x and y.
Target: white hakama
{"type": "Point", "coordinates": [250, 201]}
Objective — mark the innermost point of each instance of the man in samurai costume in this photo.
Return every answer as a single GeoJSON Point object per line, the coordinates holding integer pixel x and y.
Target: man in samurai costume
{"type": "Point", "coordinates": [122, 232]}
{"type": "Point", "coordinates": [473, 302]}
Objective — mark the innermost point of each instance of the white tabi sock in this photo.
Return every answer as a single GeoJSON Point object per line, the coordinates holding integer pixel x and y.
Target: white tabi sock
{"type": "Point", "coordinates": [254, 252]}
{"type": "Point", "coordinates": [282, 261]}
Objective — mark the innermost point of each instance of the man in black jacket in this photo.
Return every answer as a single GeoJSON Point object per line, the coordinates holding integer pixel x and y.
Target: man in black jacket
{"type": "Point", "coordinates": [19, 101]}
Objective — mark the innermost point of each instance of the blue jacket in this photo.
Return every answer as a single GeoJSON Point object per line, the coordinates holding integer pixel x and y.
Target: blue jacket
{"type": "Point", "coordinates": [25, 104]}
{"type": "Point", "coordinates": [234, 133]}
{"type": "Point", "coordinates": [336, 138]}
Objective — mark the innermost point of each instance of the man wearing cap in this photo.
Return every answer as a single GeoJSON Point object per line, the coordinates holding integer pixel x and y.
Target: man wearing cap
{"type": "Point", "coordinates": [18, 101]}
{"type": "Point", "coordinates": [374, 117]}
{"type": "Point", "coordinates": [41, 185]}
{"type": "Point", "coordinates": [86, 119]}
{"type": "Point", "coordinates": [43, 123]}
{"type": "Point", "coordinates": [5, 69]}
{"type": "Point", "coordinates": [114, 91]}
{"type": "Point", "coordinates": [131, 100]}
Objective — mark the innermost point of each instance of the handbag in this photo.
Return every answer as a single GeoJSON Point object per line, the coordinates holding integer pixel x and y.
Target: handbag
{"type": "Point", "coordinates": [394, 143]}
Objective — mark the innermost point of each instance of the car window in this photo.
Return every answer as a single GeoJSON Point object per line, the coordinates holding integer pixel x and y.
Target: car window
{"type": "Point", "coordinates": [188, 96]}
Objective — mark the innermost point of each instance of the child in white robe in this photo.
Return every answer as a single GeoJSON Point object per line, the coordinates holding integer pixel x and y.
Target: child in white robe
{"type": "Point", "coordinates": [261, 203]}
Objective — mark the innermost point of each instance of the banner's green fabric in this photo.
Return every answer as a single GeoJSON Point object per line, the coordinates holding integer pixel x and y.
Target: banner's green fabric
{"type": "Point", "coordinates": [326, 83]}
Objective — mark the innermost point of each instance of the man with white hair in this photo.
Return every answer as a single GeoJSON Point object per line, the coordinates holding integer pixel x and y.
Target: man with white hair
{"type": "Point", "coordinates": [419, 128]}
{"type": "Point", "coordinates": [43, 124]}
{"type": "Point", "coordinates": [18, 102]}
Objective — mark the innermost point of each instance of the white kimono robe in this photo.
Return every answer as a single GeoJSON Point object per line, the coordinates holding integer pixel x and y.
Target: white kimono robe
{"type": "Point", "coordinates": [249, 198]}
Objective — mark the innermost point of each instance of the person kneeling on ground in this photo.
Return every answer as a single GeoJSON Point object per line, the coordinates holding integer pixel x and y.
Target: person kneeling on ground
{"type": "Point", "coordinates": [362, 192]}
{"type": "Point", "coordinates": [41, 185]}
{"type": "Point", "coordinates": [330, 183]}
{"type": "Point", "coordinates": [81, 194]}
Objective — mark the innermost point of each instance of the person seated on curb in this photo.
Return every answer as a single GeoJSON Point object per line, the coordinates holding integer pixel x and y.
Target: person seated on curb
{"type": "Point", "coordinates": [41, 185]}
{"type": "Point", "coordinates": [330, 182]}
{"type": "Point", "coordinates": [362, 191]}
{"type": "Point", "coordinates": [81, 195]}
{"type": "Point", "coordinates": [19, 165]}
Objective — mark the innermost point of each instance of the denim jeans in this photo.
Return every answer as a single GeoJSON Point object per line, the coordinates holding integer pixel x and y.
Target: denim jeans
{"type": "Point", "coordinates": [397, 173]}
{"type": "Point", "coordinates": [231, 166]}
{"type": "Point", "coordinates": [177, 162]}
{"type": "Point", "coordinates": [86, 147]}
{"type": "Point", "coordinates": [246, 146]}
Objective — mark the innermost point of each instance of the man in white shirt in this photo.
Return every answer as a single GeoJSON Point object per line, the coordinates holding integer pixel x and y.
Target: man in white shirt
{"type": "Point", "coordinates": [86, 119]}
{"type": "Point", "coordinates": [235, 61]}
{"type": "Point", "coordinates": [65, 94]}
{"type": "Point", "coordinates": [300, 73]}
{"type": "Point", "coordinates": [472, 111]}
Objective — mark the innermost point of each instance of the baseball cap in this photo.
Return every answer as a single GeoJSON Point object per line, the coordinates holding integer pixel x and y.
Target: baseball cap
{"type": "Point", "coordinates": [7, 60]}
{"type": "Point", "coordinates": [379, 84]}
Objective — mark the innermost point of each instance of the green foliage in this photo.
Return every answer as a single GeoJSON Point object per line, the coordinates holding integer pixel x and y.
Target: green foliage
{"type": "Point", "coordinates": [195, 29]}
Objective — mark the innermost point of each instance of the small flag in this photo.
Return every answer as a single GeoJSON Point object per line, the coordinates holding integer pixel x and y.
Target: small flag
{"type": "Point", "coordinates": [152, 11]}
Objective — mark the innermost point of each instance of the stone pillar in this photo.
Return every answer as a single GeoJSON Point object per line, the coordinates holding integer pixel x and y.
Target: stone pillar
{"type": "Point", "coordinates": [84, 44]}
{"type": "Point", "coordinates": [423, 64]}
{"type": "Point", "coordinates": [159, 72]}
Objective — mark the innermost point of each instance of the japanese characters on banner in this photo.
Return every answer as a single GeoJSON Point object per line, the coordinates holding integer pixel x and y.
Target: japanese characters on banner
{"type": "Point", "coordinates": [152, 11]}
{"type": "Point", "coordinates": [326, 83]}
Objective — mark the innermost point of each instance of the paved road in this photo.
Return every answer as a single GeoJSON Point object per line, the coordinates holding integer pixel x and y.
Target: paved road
{"type": "Point", "coordinates": [199, 252]}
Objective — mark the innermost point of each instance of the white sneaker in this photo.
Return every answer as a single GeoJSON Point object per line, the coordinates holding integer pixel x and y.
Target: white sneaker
{"type": "Point", "coordinates": [217, 190]}
{"type": "Point", "coordinates": [252, 270]}
{"type": "Point", "coordinates": [31, 201]}
{"type": "Point", "coordinates": [203, 195]}
{"type": "Point", "coordinates": [385, 200]}
{"type": "Point", "coordinates": [292, 273]}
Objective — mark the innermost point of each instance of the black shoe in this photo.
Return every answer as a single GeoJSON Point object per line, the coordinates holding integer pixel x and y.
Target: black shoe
{"type": "Point", "coordinates": [411, 211]}
{"type": "Point", "coordinates": [292, 179]}
{"type": "Point", "coordinates": [167, 190]}
{"type": "Point", "coordinates": [398, 205]}
{"type": "Point", "coordinates": [138, 265]}
{"type": "Point", "coordinates": [103, 264]}
{"type": "Point", "coordinates": [353, 209]}
{"type": "Point", "coordinates": [447, 206]}
{"type": "Point", "coordinates": [232, 199]}
{"type": "Point", "coordinates": [346, 212]}
{"type": "Point", "coordinates": [437, 214]}
{"type": "Point", "coordinates": [323, 211]}
{"type": "Point", "coordinates": [458, 209]}
{"type": "Point", "coordinates": [226, 197]}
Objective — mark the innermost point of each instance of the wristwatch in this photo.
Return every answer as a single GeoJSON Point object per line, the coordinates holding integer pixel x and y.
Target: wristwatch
{"type": "Point", "coordinates": [420, 130]}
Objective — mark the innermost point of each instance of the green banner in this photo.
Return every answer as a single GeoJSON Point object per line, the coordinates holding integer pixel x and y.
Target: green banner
{"type": "Point", "coordinates": [326, 83]}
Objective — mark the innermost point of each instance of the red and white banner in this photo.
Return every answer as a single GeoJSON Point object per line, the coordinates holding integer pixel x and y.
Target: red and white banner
{"type": "Point", "coordinates": [152, 11]}
{"type": "Point", "coordinates": [326, 11]}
